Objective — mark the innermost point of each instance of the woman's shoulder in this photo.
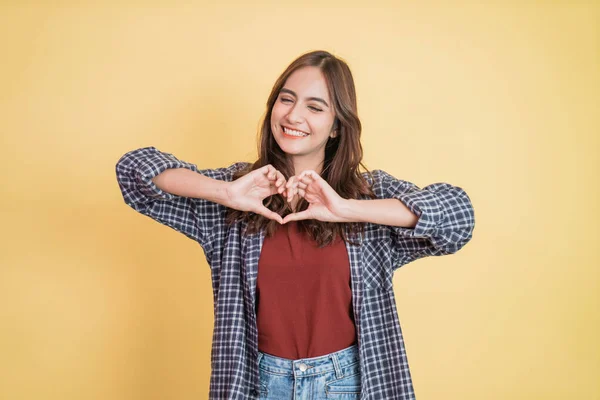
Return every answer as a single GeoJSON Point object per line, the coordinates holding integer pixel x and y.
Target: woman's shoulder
{"type": "Point", "coordinates": [233, 167]}
{"type": "Point", "coordinates": [240, 165]}
{"type": "Point", "coordinates": [377, 176]}
{"type": "Point", "coordinates": [382, 183]}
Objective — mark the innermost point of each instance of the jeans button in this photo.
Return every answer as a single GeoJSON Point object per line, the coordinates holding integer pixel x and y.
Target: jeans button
{"type": "Point", "coordinates": [302, 367]}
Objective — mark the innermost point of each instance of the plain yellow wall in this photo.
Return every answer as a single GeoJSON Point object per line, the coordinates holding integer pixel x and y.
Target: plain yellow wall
{"type": "Point", "coordinates": [98, 302]}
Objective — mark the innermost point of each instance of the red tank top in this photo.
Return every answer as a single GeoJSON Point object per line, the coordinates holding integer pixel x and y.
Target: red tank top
{"type": "Point", "coordinates": [303, 296]}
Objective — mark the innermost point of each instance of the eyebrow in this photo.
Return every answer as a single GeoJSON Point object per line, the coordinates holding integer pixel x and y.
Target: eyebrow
{"type": "Point", "coordinates": [284, 90]}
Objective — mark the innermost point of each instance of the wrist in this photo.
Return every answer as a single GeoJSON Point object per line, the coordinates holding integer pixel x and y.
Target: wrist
{"type": "Point", "coordinates": [222, 194]}
{"type": "Point", "coordinates": [350, 210]}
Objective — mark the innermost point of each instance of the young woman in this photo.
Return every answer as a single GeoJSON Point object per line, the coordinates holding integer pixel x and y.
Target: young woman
{"type": "Point", "coordinates": [302, 245]}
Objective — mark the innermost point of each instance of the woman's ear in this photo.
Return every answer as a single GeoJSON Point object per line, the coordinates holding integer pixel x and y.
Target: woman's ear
{"type": "Point", "coordinates": [335, 129]}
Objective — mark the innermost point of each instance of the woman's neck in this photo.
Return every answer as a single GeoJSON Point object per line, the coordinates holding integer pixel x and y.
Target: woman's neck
{"type": "Point", "coordinates": [302, 164]}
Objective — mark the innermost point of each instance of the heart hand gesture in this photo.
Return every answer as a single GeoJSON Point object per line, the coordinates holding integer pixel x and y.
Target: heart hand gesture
{"type": "Point", "coordinates": [324, 203]}
{"type": "Point", "coordinates": [248, 192]}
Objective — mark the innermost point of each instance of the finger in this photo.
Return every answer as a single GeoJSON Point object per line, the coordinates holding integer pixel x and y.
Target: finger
{"type": "Point", "coordinates": [277, 177]}
{"type": "Point", "coordinates": [307, 179]}
{"type": "Point", "coordinates": [272, 190]}
{"type": "Point", "coordinates": [291, 193]}
{"type": "Point", "coordinates": [306, 185]}
{"type": "Point", "coordinates": [265, 173]}
{"type": "Point", "coordinates": [308, 172]}
{"type": "Point", "coordinates": [280, 182]}
{"type": "Point", "coordinates": [297, 216]}
{"type": "Point", "coordinates": [279, 185]}
{"type": "Point", "coordinates": [290, 182]}
{"type": "Point", "coordinates": [280, 177]}
{"type": "Point", "coordinates": [312, 176]}
{"type": "Point", "coordinates": [266, 169]}
{"type": "Point", "coordinates": [269, 171]}
{"type": "Point", "coordinates": [315, 180]}
{"type": "Point", "coordinates": [302, 192]}
{"type": "Point", "coordinates": [265, 212]}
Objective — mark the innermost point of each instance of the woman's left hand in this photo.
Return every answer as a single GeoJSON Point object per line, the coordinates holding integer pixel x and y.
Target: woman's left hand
{"type": "Point", "coordinates": [324, 203]}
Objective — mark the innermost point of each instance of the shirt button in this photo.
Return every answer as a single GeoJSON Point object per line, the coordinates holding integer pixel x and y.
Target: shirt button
{"type": "Point", "coordinates": [302, 367]}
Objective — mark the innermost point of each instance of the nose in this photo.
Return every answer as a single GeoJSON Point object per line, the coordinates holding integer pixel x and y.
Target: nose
{"type": "Point", "coordinates": [294, 116]}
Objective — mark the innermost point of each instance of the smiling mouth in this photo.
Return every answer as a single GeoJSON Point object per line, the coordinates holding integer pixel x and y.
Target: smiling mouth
{"type": "Point", "coordinates": [293, 133]}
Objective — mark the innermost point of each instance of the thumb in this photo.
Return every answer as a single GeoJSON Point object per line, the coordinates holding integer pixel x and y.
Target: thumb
{"type": "Point", "coordinates": [265, 212]}
{"type": "Point", "coordinates": [297, 216]}
{"type": "Point", "coordinates": [273, 190]}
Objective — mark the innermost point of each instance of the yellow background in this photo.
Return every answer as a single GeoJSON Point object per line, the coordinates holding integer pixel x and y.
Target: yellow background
{"type": "Point", "coordinates": [99, 302]}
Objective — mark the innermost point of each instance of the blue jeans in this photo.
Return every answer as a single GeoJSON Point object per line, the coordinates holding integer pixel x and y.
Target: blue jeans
{"type": "Point", "coordinates": [332, 376]}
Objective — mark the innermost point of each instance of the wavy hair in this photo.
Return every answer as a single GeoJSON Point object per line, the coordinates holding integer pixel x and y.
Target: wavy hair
{"type": "Point", "coordinates": [343, 153]}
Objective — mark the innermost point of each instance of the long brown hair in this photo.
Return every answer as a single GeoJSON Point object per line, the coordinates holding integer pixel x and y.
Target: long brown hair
{"type": "Point", "coordinates": [343, 153]}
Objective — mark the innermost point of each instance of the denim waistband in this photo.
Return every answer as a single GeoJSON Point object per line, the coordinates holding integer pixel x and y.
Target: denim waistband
{"type": "Point", "coordinates": [309, 366]}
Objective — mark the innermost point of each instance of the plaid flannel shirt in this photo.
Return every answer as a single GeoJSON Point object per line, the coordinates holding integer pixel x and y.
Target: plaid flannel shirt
{"type": "Point", "coordinates": [446, 222]}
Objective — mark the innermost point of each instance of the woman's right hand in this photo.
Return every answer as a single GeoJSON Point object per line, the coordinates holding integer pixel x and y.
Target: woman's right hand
{"type": "Point", "coordinates": [248, 192]}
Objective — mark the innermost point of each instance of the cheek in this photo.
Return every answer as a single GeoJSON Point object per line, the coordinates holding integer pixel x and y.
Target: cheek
{"type": "Point", "coordinates": [276, 113]}
{"type": "Point", "coordinates": [323, 123]}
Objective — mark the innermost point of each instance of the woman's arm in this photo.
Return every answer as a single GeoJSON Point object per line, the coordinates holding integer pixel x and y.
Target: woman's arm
{"type": "Point", "coordinates": [174, 192]}
{"type": "Point", "coordinates": [436, 220]}
{"type": "Point", "coordinates": [379, 211]}
{"type": "Point", "coordinates": [187, 183]}
{"type": "Point", "coordinates": [433, 221]}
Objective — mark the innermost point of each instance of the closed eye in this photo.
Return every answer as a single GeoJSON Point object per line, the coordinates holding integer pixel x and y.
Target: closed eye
{"type": "Point", "coordinates": [287, 100]}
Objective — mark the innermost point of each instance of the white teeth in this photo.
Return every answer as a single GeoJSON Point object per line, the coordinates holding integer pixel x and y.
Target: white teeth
{"type": "Point", "coordinates": [294, 133]}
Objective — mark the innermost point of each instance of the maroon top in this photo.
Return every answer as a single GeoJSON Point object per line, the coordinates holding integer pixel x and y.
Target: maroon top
{"type": "Point", "coordinates": [303, 296]}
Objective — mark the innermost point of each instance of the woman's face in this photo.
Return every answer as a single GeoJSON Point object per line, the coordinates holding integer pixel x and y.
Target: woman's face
{"type": "Point", "coordinates": [302, 117]}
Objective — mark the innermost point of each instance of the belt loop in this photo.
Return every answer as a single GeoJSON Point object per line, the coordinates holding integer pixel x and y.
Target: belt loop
{"type": "Point", "coordinates": [260, 356]}
{"type": "Point", "coordinates": [336, 365]}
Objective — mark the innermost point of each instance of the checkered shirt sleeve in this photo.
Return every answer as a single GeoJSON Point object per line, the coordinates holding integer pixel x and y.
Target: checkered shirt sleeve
{"type": "Point", "coordinates": [446, 217]}
{"type": "Point", "coordinates": [198, 219]}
